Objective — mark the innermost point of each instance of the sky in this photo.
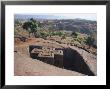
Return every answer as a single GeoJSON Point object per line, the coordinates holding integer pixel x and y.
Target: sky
{"type": "Point", "coordinates": [87, 16]}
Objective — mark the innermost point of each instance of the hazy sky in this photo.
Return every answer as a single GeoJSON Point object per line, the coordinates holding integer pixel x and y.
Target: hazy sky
{"type": "Point", "coordinates": [87, 16]}
{"type": "Point", "coordinates": [82, 16]}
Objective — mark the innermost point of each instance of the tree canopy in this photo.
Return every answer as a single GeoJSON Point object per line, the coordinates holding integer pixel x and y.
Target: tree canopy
{"type": "Point", "coordinates": [31, 26]}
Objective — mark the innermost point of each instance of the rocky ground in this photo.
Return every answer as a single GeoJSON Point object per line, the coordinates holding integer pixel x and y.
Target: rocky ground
{"type": "Point", "coordinates": [26, 66]}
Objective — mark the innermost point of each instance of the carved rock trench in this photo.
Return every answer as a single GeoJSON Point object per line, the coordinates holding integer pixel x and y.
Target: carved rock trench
{"type": "Point", "coordinates": [72, 60]}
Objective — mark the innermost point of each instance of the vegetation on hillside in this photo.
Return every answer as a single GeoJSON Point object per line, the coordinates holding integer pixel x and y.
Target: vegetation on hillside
{"type": "Point", "coordinates": [83, 38]}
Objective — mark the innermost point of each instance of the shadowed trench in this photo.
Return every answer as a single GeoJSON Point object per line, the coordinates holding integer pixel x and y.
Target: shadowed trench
{"type": "Point", "coordinates": [72, 60]}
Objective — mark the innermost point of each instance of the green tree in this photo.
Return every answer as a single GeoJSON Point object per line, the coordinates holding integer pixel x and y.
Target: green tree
{"type": "Point", "coordinates": [90, 41]}
{"type": "Point", "coordinates": [31, 26]}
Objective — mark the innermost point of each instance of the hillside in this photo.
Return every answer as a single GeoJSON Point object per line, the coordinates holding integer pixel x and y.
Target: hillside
{"type": "Point", "coordinates": [55, 47]}
{"type": "Point", "coordinates": [75, 25]}
{"type": "Point", "coordinates": [80, 31]}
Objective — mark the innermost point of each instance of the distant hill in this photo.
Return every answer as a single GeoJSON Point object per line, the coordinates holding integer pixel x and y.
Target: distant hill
{"type": "Point", "coordinates": [50, 22]}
